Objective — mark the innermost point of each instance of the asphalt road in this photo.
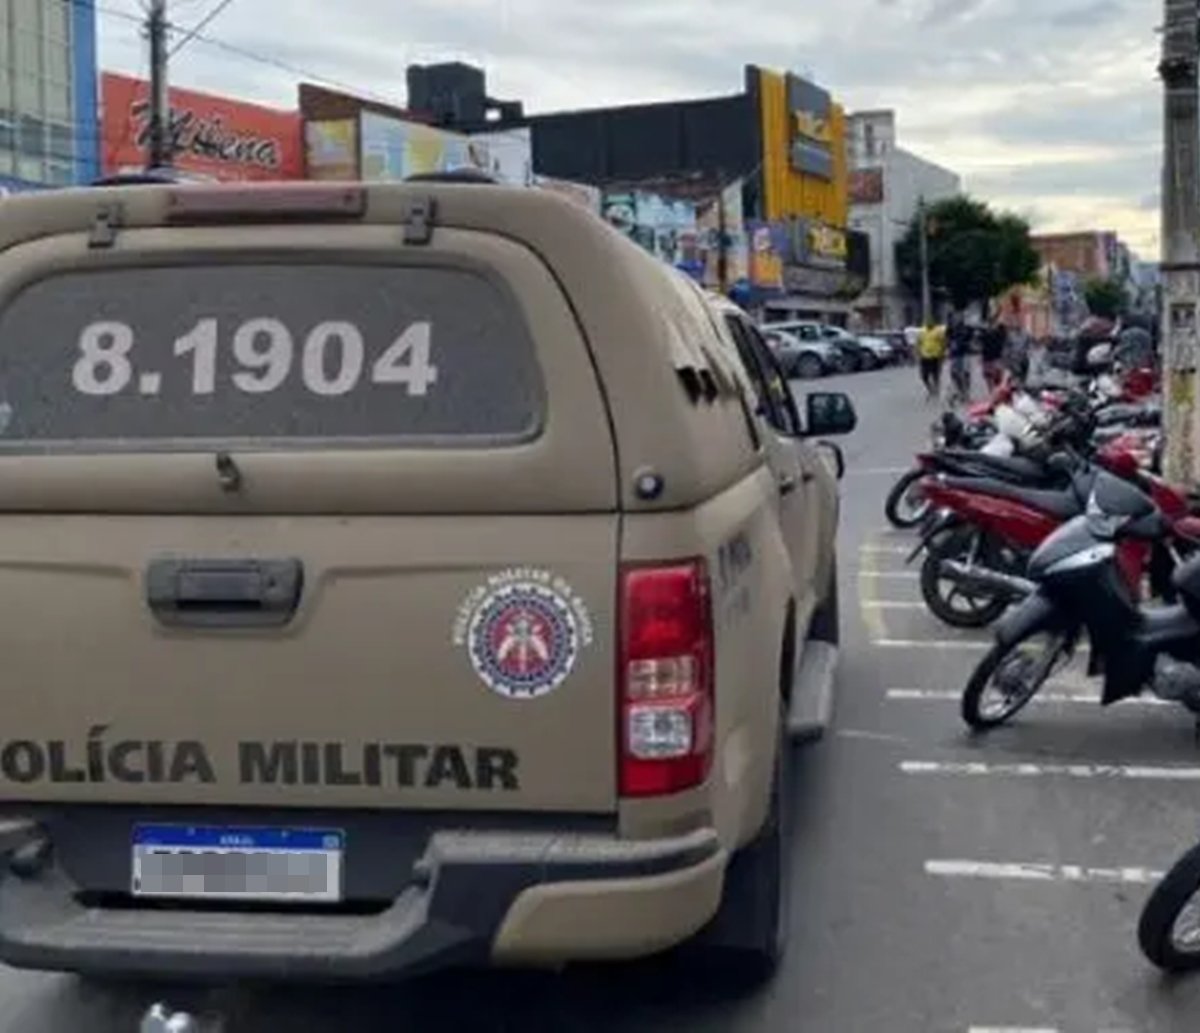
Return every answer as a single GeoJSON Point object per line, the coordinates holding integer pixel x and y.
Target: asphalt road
{"type": "Point", "coordinates": [916, 907]}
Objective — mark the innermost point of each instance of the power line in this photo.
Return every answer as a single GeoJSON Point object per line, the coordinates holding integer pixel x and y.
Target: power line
{"type": "Point", "coordinates": [200, 26]}
{"type": "Point", "coordinates": [291, 69]}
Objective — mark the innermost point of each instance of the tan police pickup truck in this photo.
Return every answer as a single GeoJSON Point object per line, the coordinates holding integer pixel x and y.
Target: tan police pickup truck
{"type": "Point", "coordinates": [391, 577]}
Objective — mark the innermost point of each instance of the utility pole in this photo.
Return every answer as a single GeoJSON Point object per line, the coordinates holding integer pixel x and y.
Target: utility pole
{"type": "Point", "coordinates": [159, 152]}
{"type": "Point", "coordinates": [926, 296]}
{"type": "Point", "coordinates": [1181, 234]}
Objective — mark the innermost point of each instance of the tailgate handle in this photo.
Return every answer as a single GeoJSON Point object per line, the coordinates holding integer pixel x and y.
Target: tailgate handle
{"type": "Point", "coordinates": [224, 593]}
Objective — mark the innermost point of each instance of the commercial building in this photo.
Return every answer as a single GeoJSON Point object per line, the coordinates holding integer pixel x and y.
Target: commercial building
{"type": "Point", "coordinates": [748, 191]}
{"type": "Point", "coordinates": [1071, 260]}
{"type": "Point", "coordinates": [212, 137]}
{"type": "Point", "coordinates": [48, 119]}
{"type": "Point", "coordinates": [350, 137]}
{"type": "Point", "coordinates": [887, 185]}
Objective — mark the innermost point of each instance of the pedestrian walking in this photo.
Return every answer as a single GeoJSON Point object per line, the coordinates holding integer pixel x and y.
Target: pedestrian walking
{"type": "Point", "coordinates": [931, 349]}
{"type": "Point", "coordinates": [958, 345]}
{"type": "Point", "coordinates": [995, 346]}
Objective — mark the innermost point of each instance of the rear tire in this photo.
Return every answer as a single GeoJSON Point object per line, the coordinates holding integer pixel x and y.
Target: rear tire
{"type": "Point", "coordinates": [809, 367]}
{"type": "Point", "coordinates": [974, 710]}
{"type": "Point", "coordinates": [749, 934]}
{"type": "Point", "coordinates": [1161, 913]}
{"type": "Point", "coordinates": [894, 508]}
{"type": "Point", "coordinates": [954, 546]}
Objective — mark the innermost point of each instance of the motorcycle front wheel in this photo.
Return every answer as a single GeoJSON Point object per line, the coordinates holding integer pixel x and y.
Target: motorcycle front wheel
{"type": "Point", "coordinates": [1009, 676]}
{"type": "Point", "coordinates": [947, 601]}
{"type": "Point", "coordinates": [906, 505]}
{"type": "Point", "coordinates": [1169, 927]}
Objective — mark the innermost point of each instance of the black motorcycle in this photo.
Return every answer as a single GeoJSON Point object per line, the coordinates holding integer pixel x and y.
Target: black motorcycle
{"type": "Point", "coordinates": [1088, 577]}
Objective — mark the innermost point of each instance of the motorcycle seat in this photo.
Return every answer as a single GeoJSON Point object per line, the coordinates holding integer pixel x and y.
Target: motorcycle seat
{"type": "Point", "coordinates": [1062, 504]}
{"type": "Point", "coordinates": [1009, 467]}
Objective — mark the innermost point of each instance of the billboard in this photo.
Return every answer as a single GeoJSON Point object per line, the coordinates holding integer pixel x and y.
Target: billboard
{"type": "Point", "coordinates": [866, 186]}
{"type": "Point", "coordinates": [393, 150]}
{"type": "Point", "coordinates": [509, 155]}
{"type": "Point", "coordinates": [331, 149]}
{"type": "Point", "coordinates": [810, 112]}
{"type": "Point", "coordinates": [213, 137]}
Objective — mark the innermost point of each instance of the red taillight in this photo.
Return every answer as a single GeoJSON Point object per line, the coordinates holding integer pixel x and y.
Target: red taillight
{"type": "Point", "coordinates": [665, 676]}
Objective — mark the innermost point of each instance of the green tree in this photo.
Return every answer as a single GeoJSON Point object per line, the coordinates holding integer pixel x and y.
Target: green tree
{"type": "Point", "coordinates": [1105, 298]}
{"type": "Point", "coordinates": [975, 254]}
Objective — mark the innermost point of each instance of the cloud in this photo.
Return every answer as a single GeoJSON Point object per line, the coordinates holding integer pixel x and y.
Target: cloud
{"type": "Point", "coordinates": [1036, 100]}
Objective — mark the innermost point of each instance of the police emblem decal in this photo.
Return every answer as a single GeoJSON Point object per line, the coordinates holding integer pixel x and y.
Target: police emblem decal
{"type": "Point", "coordinates": [523, 632]}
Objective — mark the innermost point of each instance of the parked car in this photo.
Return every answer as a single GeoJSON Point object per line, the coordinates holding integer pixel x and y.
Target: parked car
{"type": "Point", "coordinates": [805, 359]}
{"type": "Point", "coordinates": [395, 576]}
{"type": "Point", "coordinates": [846, 357]}
{"type": "Point", "coordinates": [883, 350]}
{"type": "Point", "coordinates": [864, 356]}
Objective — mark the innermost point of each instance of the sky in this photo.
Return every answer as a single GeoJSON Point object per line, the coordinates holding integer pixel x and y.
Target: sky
{"type": "Point", "coordinates": [1050, 108]}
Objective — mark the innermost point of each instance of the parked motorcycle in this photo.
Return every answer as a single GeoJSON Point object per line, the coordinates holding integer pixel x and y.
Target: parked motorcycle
{"type": "Point", "coordinates": [979, 540]}
{"type": "Point", "coordinates": [1088, 578]}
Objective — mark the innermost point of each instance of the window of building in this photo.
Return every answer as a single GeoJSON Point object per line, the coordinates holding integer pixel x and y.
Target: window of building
{"type": "Point", "coordinates": [8, 132]}
{"type": "Point", "coordinates": [62, 142]}
{"type": "Point", "coordinates": [27, 94]}
{"type": "Point", "coordinates": [60, 173]}
{"type": "Point", "coordinates": [29, 168]}
{"type": "Point", "coordinates": [27, 16]}
{"type": "Point", "coordinates": [31, 136]}
{"type": "Point", "coordinates": [58, 101]}
{"type": "Point", "coordinates": [8, 162]}
{"type": "Point", "coordinates": [56, 21]}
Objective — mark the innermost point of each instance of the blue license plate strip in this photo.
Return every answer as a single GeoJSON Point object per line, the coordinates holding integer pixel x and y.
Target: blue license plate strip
{"type": "Point", "coordinates": [238, 863]}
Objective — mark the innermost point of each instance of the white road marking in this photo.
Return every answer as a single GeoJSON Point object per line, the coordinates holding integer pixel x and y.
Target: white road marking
{"type": "Point", "coordinates": [892, 604]}
{"type": "Point", "coordinates": [883, 550]}
{"type": "Point", "coordinates": [891, 575]}
{"type": "Point", "coordinates": [933, 643]}
{"type": "Point", "coordinates": [1033, 872]}
{"type": "Point", "coordinates": [950, 696]}
{"type": "Point", "coordinates": [1111, 771]}
{"type": "Point", "coordinates": [879, 471]}
{"type": "Point", "coordinates": [1012, 1029]}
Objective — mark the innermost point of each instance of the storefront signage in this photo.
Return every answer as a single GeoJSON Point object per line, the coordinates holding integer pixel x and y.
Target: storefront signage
{"type": "Point", "coordinates": [211, 137]}
{"type": "Point", "coordinates": [393, 150]}
{"type": "Point", "coordinates": [866, 186]}
{"type": "Point", "coordinates": [810, 111]}
{"type": "Point", "coordinates": [331, 149]}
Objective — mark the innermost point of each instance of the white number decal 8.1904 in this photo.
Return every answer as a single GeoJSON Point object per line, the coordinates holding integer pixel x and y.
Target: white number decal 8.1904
{"type": "Point", "coordinates": [332, 358]}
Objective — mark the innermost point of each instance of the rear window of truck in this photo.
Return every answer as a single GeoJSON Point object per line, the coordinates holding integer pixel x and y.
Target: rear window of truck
{"type": "Point", "coordinates": [265, 355]}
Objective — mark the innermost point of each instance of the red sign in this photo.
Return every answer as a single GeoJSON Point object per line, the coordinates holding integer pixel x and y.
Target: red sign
{"type": "Point", "coordinates": [214, 137]}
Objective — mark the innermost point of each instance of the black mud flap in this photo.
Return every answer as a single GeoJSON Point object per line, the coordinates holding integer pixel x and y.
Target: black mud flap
{"type": "Point", "coordinates": [936, 523]}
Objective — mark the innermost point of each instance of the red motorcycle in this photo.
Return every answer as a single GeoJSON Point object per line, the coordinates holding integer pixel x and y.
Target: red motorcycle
{"type": "Point", "coordinates": [983, 531]}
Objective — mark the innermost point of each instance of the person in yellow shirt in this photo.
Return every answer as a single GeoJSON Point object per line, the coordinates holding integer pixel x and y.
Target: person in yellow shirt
{"type": "Point", "coordinates": [931, 349]}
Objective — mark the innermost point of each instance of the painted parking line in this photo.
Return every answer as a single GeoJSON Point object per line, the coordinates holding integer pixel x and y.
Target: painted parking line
{"type": "Point", "coordinates": [878, 471]}
{"type": "Point", "coordinates": [952, 696]}
{"type": "Point", "coordinates": [1019, 871]}
{"type": "Point", "coordinates": [1012, 1029]}
{"type": "Point", "coordinates": [891, 575]}
{"type": "Point", "coordinates": [942, 644]}
{"type": "Point", "coordinates": [1132, 772]}
{"type": "Point", "coordinates": [893, 604]}
{"type": "Point", "coordinates": [873, 549]}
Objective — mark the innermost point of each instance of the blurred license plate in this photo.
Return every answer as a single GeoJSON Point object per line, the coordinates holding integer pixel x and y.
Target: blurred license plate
{"type": "Point", "coordinates": [217, 863]}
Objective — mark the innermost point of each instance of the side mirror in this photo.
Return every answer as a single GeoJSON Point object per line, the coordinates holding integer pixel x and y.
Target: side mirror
{"type": "Point", "coordinates": [834, 456]}
{"type": "Point", "coordinates": [829, 414]}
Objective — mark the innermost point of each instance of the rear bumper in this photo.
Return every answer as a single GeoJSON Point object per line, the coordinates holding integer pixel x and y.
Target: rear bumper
{"type": "Point", "coordinates": [475, 898]}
